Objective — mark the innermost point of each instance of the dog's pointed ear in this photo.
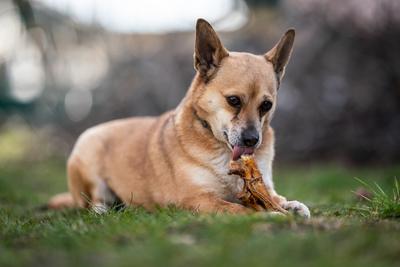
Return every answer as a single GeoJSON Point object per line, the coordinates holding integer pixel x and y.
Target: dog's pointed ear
{"type": "Point", "coordinates": [279, 55]}
{"type": "Point", "coordinates": [209, 50]}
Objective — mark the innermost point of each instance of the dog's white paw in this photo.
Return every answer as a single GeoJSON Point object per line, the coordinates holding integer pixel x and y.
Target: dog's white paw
{"type": "Point", "coordinates": [100, 208]}
{"type": "Point", "coordinates": [297, 208]}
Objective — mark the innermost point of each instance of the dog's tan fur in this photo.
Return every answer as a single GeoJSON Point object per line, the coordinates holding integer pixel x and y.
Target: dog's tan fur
{"type": "Point", "coordinates": [182, 157]}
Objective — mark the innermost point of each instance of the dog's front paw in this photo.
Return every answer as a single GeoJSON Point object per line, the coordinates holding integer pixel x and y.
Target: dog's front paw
{"type": "Point", "coordinates": [297, 208]}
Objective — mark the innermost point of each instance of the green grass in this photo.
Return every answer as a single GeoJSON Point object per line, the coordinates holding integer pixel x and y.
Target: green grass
{"type": "Point", "coordinates": [381, 204]}
{"type": "Point", "coordinates": [340, 233]}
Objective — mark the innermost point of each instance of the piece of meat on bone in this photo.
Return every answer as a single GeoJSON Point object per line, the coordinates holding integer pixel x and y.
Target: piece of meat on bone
{"type": "Point", "coordinates": [254, 193]}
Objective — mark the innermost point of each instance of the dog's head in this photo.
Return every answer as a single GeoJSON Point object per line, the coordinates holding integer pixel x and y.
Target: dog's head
{"type": "Point", "coordinates": [236, 92]}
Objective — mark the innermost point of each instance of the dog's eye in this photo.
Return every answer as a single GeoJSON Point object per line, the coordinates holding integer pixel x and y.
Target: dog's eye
{"type": "Point", "coordinates": [234, 101]}
{"type": "Point", "coordinates": [265, 106]}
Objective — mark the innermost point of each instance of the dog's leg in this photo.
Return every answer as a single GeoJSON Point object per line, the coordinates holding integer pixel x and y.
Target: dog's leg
{"type": "Point", "coordinates": [297, 207]}
{"type": "Point", "coordinates": [103, 197]}
{"type": "Point", "coordinates": [79, 195]}
{"type": "Point", "coordinates": [209, 203]}
{"type": "Point", "coordinates": [87, 189]}
{"type": "Point", "coordinates": [78, 184]}
{"type": "Point", "coordinates": [99, 200]}
{"type": "Point", "coordinates": [294, 206]}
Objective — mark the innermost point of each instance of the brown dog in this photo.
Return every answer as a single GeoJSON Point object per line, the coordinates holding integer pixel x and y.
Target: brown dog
{"type": "Point", "coordinates": [182, 157]}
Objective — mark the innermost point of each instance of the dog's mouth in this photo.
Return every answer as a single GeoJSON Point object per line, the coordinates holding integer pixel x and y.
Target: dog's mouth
{"type": "Point", "coordinates": [238, 151]}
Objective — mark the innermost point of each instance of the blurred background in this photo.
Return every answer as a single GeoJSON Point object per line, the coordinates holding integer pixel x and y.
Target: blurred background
{"type": "Point", "coordinates": [66, 65]}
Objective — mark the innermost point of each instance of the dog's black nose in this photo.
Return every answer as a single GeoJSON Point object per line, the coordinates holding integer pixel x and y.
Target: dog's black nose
{"type": "Point", "coordinates": [250, 136]}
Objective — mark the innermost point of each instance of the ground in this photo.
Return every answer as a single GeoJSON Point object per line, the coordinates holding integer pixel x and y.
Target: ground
{"type": "Point", "coordinates": [338, 234]}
